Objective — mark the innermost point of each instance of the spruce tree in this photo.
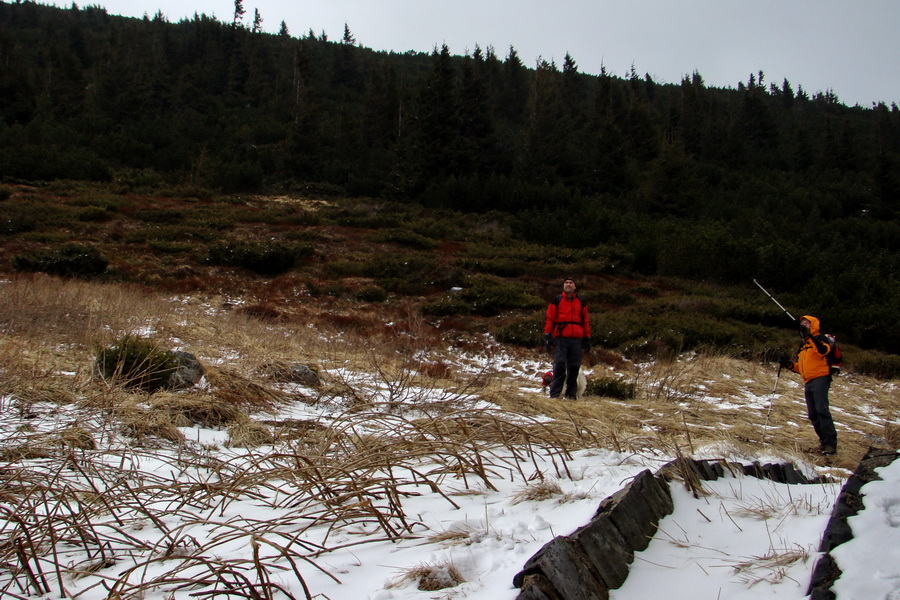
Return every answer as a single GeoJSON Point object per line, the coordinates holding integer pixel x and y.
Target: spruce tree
{"type": "Point", "coordinates": [238, 13]}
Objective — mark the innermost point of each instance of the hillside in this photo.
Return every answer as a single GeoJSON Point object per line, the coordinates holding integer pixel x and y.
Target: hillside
{"type": "Point", "coordinates": [358, 263]}
{"type": "Point", "coordinates": [268, 487]}
{"type": "Point", "coordinates": [619, 175]}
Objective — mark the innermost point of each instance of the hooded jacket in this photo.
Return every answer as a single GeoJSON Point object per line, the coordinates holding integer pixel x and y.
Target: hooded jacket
{"type": "Point", "coordinates": [811, 361]}
{"type": "Point", "coordinates": [568, 318]}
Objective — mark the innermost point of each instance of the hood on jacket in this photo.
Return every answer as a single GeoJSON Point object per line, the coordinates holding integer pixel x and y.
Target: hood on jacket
{"type": "Point", "coordinates": [813, 324]}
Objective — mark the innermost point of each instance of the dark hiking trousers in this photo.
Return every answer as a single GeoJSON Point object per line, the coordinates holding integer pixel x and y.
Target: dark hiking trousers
{"type": "Point", "coordinates": [816, 391]}
{"type": "Point", "coordinates": [566, 363]}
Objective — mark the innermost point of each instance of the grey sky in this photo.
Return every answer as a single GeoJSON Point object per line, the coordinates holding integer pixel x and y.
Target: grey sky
{"type": "Point", "coordinates": [838, 45]}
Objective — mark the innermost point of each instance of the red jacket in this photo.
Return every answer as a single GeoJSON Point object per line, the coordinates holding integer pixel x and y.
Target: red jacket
{"type": "Point", "coordinates": [568, 318]}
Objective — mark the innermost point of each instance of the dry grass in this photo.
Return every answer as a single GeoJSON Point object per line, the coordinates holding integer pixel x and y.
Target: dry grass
{"type": "Point", "coordinates": [543, 489]}
{"type": "Point", "coordinates": [770, 567]}
{"type": "Point", "coordinates": [432, 577]}
{"type": "Point", "coordinates": [407, 409]}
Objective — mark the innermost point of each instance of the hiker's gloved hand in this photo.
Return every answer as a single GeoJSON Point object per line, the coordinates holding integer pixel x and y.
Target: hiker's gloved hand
{"type": "Point", "coordinates": [586, 344]}
{"type": "Point", "coordinates": [548, 342]}
{"type": "Point", "coordinates": [785, 362]}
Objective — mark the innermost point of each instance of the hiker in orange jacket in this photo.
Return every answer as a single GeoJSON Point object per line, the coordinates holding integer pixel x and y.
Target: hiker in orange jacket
{"type": "Point", "coordinates": [567, 333]}
{"type": "Point", "coordinates": [813, 367]}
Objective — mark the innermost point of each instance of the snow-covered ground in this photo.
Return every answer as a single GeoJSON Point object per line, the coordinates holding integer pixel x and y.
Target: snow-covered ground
{"type": "Point", "coordinates": [458, 535]}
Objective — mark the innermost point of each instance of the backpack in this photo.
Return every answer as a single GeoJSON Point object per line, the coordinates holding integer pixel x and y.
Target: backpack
{"type": "Point", "coordinates": [835, 357]}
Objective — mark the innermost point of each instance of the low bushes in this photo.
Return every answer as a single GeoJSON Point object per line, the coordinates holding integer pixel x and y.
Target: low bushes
{"type": "Point", "coordinates": [404, 237]}
{"type": "Point", "coordinates": [610, 388]}
{"type": "Point", "coordinates": [876, 364]}
{"type": "Point", "coordinates": [526, 332]}
{"type": "Point", "coordinates": [71, 260]}
{"type": "Point", "coordinates": [264, 258]}
{"type": "Point", "coordinates": [137, 363]}
{"type": "Point", "coordinates": [647, 328]}
{"type": "Point", "coordinates": [487, 296]}
{"type": "Point", "coordinates": [372, 293]}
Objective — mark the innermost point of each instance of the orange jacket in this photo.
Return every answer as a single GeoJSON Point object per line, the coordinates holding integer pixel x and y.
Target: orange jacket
{"type": "Point", "coordinates": [568, 318]}
{"type": "Point", "coordinates": [811, 362]}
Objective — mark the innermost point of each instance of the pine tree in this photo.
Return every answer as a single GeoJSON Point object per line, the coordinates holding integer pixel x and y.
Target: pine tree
{"type": "Point", "coordinates": [607, 166]}
{"type": "Point", "coordinates": [546, 138]}
{"type": "Point", "coordinates": [238, 13]}
{"type": "Point", "coordinates": [476, 127]}
{"type": "Point", "coordinates": [348, 38]}
{"type": "Point", "coordinates": [514, 91]}
{"type": "Point", "coordinates": [787, 95]}
{"type": "Point", "coordinates": [438, 136]}
{"type": "Point", "coordinates": [694, 114]}
{"type": "Point", "coordinates": [257, 21]}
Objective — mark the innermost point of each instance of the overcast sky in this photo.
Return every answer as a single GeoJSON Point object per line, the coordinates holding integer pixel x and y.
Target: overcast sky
{"type": "Point", "coordinates": [848, 47]}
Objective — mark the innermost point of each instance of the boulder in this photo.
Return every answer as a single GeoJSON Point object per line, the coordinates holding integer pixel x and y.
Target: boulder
{"type": "Point", "coordinates": [188, 373]}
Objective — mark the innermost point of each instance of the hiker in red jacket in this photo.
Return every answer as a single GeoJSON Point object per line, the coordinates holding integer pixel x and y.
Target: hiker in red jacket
{"type": "Point", "coordinates": [567, 333]}
{"type": "Point", "coordinates": [813, 367]}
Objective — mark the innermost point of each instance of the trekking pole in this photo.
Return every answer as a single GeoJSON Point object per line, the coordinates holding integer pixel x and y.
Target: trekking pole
{"type": "Point", "coordinates": [771, 402]}
{"type": "Point", "coordinates": [774, 300]}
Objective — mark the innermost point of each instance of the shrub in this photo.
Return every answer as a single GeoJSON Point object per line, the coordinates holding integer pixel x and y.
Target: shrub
{"type": "Point", "coordinates": [648, 327]}
{"type": "Point", "coordinates": [372, 293]}
{"type": "Point", "coordinates": [265, 258]}
{"type": "Point", "coordinates": [5, 193]}
{"type": "Point", "coordinates": [407, 286]}
{"type": "Point", "coordinates": [404, 237]}
{"type": "Point", "coordinates": [93, 214]}
{"type": "Point", "coordinates": [164, 216]}
{"type": "Point", "coordinates": [167, 247]}
{"type": "Point", "coordinates": [363, 218]}
{"type": "Point", "coordinates": [333, 289]}
{"type": "Point", "coordinates": [876, 364]}
{"type": "Point", "coordinates": [174, 233]}
{"type": "Point", "coordinates": [22, 217]}
{"type": "Point", "coordinates": [527, 332]}
{"type": "Point", "coordinates": [347, 268]}
{"type": "Point", "coordinates": [446, 307]}
{"type": "Point", "coordinates": [647, 291]}
{"type": "Point", "coordinates": [407, 266]}
{"type": "Point", "coordinates": [72, 260]}
{"type": "Point", "coordinates": [137, 363]}
{"type": "Point", "coordinates": [608, 387]}
{"type": "Point", "coordinates": [613, 297]}
{"type": "Point", "coordinates": [17, 221]}
{"type": "Point", "coordinates": [107, 201]}
{"type": "Point", "coordinates": [489, 296]}
{"type": "Point", "coordinates": [503, 267]}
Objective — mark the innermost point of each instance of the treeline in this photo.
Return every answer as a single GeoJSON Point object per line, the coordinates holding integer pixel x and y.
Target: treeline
{"type": "Point", "coordinates": [762, 181]}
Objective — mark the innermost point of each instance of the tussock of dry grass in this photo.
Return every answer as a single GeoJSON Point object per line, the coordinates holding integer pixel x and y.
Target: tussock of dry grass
{"type": "Point", "coordinates": [250, 434]}
{"type": "Point", "coordinates": [770, 567]}
{"type": "Point", "coordinates": [232, 393]}
{"type": "Point", "coordinates": [432, 577]}
{"type": "Point", "coordinates": [538, 491]}
{"type": "Point", "coordinates": [144, 424]}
